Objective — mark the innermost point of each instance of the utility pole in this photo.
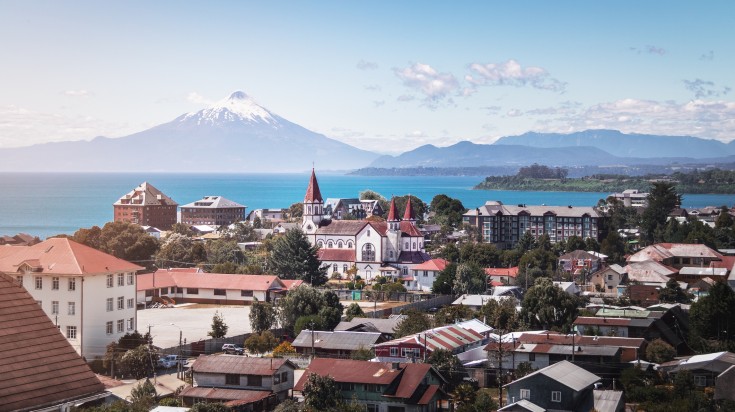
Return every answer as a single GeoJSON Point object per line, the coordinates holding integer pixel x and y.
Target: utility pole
{"type": "Point", "coordinates": [179, 366]}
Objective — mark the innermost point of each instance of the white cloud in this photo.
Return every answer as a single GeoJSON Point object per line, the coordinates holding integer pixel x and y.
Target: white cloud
{"type": "Point", "coordinates": [197, 98]}
{"type": "Point", "coordinates": [366, 65]}
{"type": "Point", "coordinates": [426, 80]}
{"type": "Point", "coordinates": [77, 93]}
{"type": "Point", "coordinates": [511, 73]}
{"type": "Point", "coordinates": [416, 134]}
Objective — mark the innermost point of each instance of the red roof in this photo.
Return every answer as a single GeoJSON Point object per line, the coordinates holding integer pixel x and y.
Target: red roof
{"type": "Point", "coordinates": [511, 272]}
{"type": "Point", "coordinates": [243, 395]}
{"type": "Point", "coordinates": [65, 257]}
{"type": "Point", "coordinates": [433, 264]}
{"type": "Point", "coordinates": [292, 283]}
{"type": "Point", "coordinates": [39, 366]}
{"type": "Point", "coordinates": [408, 214]}
{"type": "Point", "coordinates": [164, 278]}
{"type": "Point", "coordinates": [410, 229]}
{"type": "Point", "coordinates": [238, 364]}
{"type": "Point", "coordinates": [312, 192]}
{"type": "Point", "coordinates": [563, 339]}
{"type": "Point", "coordinates": [392, 212]}
{"type": "Point", "coordinates": [585, 320]}
{"type": "Point", "coordinates": [336, 255]}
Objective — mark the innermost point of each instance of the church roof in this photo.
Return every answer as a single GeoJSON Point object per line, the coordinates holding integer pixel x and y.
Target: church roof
{"type": "Point", "coordinates": [341, 227]}
{"type": "Point", "coordinates": [336, 255]}
{"type": "Point", "coordinates": [392, 212]}
{"type": "Point", "coordinates": [312, 192]}
{"type": "Point", "coordinates": [408, 214]}
{"type": "Point", "coordinates": [413, 257]}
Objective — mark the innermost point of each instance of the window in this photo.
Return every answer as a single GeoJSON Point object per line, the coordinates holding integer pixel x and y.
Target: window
{"type": "Point", "coordinates": [131, 278]}
{"type": "Point", "coordinates": [335, 268]}
{"type": "Point", "coordinates": [109, 281]}
{"type": "Point", "coordinates": [72, 308]}
{"type": "Point", "coordinates": [344, 268]}
{"type": "Point", "coordinates": [426, 273]}
{"type": "Point", "coordinates": [393, 352]}
{"type": "Point", "coordinates": [71, 332]}
{"type": "Point", "coordinates": [531, 357]}
{"type": "Point", "coordinates": [19, 280]}
{"type": "Point", "coordinates": [131, 303]}
{"type": "Point", "coordinates": [700, 380]}
{"type": "Point", "coordinates": [277, 378]}
{"type": "Point", "coordinates": [320, 244]}
{"type": "Point", "coordinates": [347, 386]}
{"type": "Point", "coordinates": [39, 282]}
{"type": "Point", "coordinates": [72, 283]}
{"type": "Point", "coordinates": [246, 293]}
{"type": "Point", "coordinates": [120, 303]}
{"type": "Point", "coordinates": [340, 245]}
{"type": "Point", "coordinates": [55, 307]}
{"type": "Point", "coordinates": [255, 380]}
{"type": "Point", "coordinates": [108, 328]}
{"type": "Point", "coordinates": [232, 379]}
{"type": "Point", "coordinates": [220, 292]}
{"type": "Point", "coordinates": [330, 244]}
{"type": "Point", "coordinates": [555, 396]}
{"type": "Point", "coordinates": [525, 394]}
{"type": "Point", "coordinates": [54, 283]}
{"type": "Point", "coordinates": [120, 279]}
{"type": "Point", "coordinates": [120, 325]}
{"type": "Point", "coordinates": [109, 304]}
{"type": "Point", "coordinates": [372, 407]}
{"type": "Point", "coordinates": [609, 277]}
{"type": "Point", "coordinates": [192, 291]}
{"type": "Point", "coordinates": [131, 323]}
{"type": "Point", "coordinates": [284, 377]}
{"type": "Point", "coordinates": [349, 244]}
{"type": "Point", "coordinates": [368, 253]}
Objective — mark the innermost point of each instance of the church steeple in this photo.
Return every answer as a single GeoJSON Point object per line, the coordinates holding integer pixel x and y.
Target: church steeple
{"type": "Point", "coordinates": [408, 215]}
{"type": "Point", "coordinates": [392, 215]}
{"type": "Point", "coordinates": [313, 202]}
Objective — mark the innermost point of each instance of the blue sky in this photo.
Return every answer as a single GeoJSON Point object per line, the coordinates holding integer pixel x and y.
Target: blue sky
{"type": "Point", "coordinates": [381, 75]}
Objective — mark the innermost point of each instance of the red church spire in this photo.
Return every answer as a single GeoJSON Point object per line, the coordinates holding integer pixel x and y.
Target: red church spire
{"type": "Point", "coordinates": [312, 192]}
{"type": "Point", "coordinates": [392, 211]}
{"type": "Point", "coordinates": [408, 215]}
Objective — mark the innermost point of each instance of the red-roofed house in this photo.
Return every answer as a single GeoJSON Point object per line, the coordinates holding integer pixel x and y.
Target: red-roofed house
{"type": "Point", "coordinates": [215, 288]}
{"type": "Point", "coordinates": [423, 275]}
{"type": "Point", "coordinates": [502, 276]}
{"type": "Point", "coordinates": [453, 338]}
{"type": "Point", "coordinates": [88, 294]}
{"type": "Point", "coordinates": [405, 387]}
{"type": "Point", "coordinates": [367, 245]}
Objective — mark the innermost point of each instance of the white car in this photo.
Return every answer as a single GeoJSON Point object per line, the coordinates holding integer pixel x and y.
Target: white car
{"type": "Point", "coordinates": [170, 361]}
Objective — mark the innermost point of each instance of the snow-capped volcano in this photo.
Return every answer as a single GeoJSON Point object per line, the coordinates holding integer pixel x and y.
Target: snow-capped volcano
{"type": "Point", "coordinates": [237, 107]}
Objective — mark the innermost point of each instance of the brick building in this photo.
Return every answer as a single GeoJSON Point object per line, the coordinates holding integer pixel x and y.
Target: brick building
{"type": "Point", "coordinates": [146, 206]}
{"type": "Point", "coordinates": [212, 210]}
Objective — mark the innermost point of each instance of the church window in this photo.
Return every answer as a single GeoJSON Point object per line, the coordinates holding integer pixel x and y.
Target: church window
{"type": "Point", "coordinates": [335, 268]}
{"type": "Point", "coordinates": [368, 232]}
{"type": "Point", "coordinates": [414, 245]}
{"type": "Point", "coordinates": [330, 244]}
{"type": "Point", "coordinates": [406, 245]}
{"type": "Point", "coordinates": [368, 253]}
{"type": "Point", "coordinates": [308, 210]}
{"type": "Point", "coordinates": [349, 245]}
{"type": "Point", "coordinates": [391, 254]}
{"type": "Point", "coordinates": [340, 244]}
{"type": "Point", "coordinates": [320, 243]}
{"type": "Point", "coordinates": [344, 268]}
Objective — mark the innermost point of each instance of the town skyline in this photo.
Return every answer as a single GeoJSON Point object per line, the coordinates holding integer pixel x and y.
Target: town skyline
{"type": "Point", "coordinates": [381, 77]}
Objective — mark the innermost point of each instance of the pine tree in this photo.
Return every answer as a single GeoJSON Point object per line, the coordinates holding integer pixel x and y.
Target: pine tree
{"type": "Point", "coordinates": [219, 328]}
{"type": "Point", "coordinates": [293, 257]}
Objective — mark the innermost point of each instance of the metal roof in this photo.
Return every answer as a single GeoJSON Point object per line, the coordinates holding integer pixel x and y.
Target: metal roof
{"type": "Point", "coordinates": [245, 365]}
{"type": "Point", "coordinates": [337, 340]}
{"type": "Point", "coordinates": [566, 373]}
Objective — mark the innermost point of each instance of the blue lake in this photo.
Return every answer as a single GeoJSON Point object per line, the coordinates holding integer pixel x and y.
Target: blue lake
{"type": "Point", "coordinates": [45, 204]}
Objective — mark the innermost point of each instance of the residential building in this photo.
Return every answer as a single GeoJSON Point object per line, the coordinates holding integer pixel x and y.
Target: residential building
{"type": "Point", "coordinates": [267, 215]}
{"type": "Point", "coordinates": [383, 387]}
{"type": "Point", "coordinates": [385, 326]}
{"type": "Point", "coordinates": [88, 294]}
{"type": "Point", "coordinates": [476, 302]}
{"type": "Point", "coordinates": [215, 288]}
{"type": "Point", "coordinates": [503, 225]}
{"type": "Point", "coordinates": [607, 279]}
{"type": "Point", "coordinates": [562, 386]}
{"type": "Point", "coordinates": [579, 262]}
{"type": "Point", "coordinates": [368, 245]}
{"type": "Point", "coordinates": [40, 368]}
{"type": "Point", "coordinates": [251, 383]}
{"type": "Point", "coordinates": [501, 276]}
{"type": "Point", "coordinates": [212, 210]}
{"type": "Point", "coordinates": [704, 368]}
{"type": "Point", "coordinates": [632, 198]}
{"type": "Point", "coordinates": [343, 208]}
{"type": "Point", "coordinates": [677, 255]}
{"type": "Point", "coordinates": [419, 346]}
{"type": "Point", "coordinates": [423, 275]}
{"type": "Point", "coordinates": [146, 206]}
{"type": "Point", "coordinates": [339, 344]}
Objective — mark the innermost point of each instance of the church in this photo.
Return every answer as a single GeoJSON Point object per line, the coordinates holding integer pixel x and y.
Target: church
{"type": "Point", "coordinates": [388, 248]}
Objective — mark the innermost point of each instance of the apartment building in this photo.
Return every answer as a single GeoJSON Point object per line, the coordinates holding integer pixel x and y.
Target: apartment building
{"type": "Point", "coordinates": [146, 206]}
{"type": "Point", "coordinates": [212, 210]}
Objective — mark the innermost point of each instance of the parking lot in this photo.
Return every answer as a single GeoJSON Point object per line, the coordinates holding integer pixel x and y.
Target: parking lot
{"type": "Point", "coordinates": [194, 321]}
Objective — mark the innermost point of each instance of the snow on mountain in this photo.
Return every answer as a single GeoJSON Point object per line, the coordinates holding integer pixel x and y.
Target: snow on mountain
{"type": "Point", "coordinates": [239, 106]}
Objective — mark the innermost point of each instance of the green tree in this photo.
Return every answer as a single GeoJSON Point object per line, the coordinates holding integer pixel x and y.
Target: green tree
{"type": "Point", "coordinates": [143, 394]}
{"type": "Point", "coordinates": [711, 318]}
{"type": "Point", "coordinates": [289, 405]}
{"type": "Point", "coordinates": [523, 369]}
{"type": "Point", "coordinates": [659, 351]}
{"type": "Point", "coordinates": [500, 314]}
{"type": "Point", "coordinates": [293, 257]}
{"type": "Point", "coordinates": [321, 393]}
{"type": "Point", "coordinates": [241, 232]}
{"type": "Point", "coordinates": [447, 211]}
{"type": "Point", "coordinates": [332, 310]}
{"type": "Point", "coordinates": [480, 254]}
{"type": "Point", "coordinates": [178, 249]}
{"type": "Point", "coordinates": [139, 362]}
{"type": "Point", "coordinates": [223, 251]}
{"type": "Point", "coordinates": [450, 314]}
{"type": "Point", "coordinates": [362, 353]}
{"type": "Point", "coordinates": [219, 327]}
{"type": "Point", "coordinates": [445, 280]}
{"type": "Point", "coordinates": [448, 365]}
{"type": "Point", "coordinates": [305, 301]}
{"type": "Point", "coordinates": [545, 305]}
{"type": "Point", "coordinates": [182, 229]}
{"type": "Point", "coordinates": [673, 293]}
{"type": "Point", "coordinates": [309, 322]}
{"type": "Point", "coordinates": [662, 199]}
{"type": "Point", "coordinates": [296, 210]}
{"type": "Point", "coordinates": [353, 311]}
{"type": "Point", "coordinates": [121, 239]}
{"type": "Point", "coordinates": [414, 322]}
{"type": "Point", "coordinates": [724, 219]}
{"type": "Point", "coordinates": [261, 342]}
{"type": "Point", "coordinates": [464, 397]}
{"type": "Point", "coordinates": [469, 279]}
{"type": "Point", "coordinates": [262, 316]}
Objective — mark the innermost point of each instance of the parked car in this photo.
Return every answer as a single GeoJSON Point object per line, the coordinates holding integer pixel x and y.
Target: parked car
{"type": "Point", "coordinates": [170, 361]}
{"type": "Point", "coordinates": [233, 349]}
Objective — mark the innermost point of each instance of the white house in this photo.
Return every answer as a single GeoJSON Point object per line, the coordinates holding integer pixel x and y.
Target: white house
{"type": "Point", "coordinates": [423, 275]}
{"type": "Point", "coordinates": [88, 294]}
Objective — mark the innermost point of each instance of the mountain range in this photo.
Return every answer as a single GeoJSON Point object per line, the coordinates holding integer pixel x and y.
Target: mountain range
{"type": "Point", "coordinates": [237, 135]}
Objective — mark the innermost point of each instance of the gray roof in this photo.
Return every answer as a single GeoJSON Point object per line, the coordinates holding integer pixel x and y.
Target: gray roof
{"type": "Point", "coordinates": [494, 207]}
{"type": "Point", "coordinates": [523, 404]}
{"type": "Point", "coordinates": [566, 373]}
{"type": "Point", "coordinates": [608, 401]}
{"type": "Point", "coordinates": [338, 340]}
{"type": "Point", "coordinates": [379, 325]}
{"type": "Point", "coordinates": [212, 202]}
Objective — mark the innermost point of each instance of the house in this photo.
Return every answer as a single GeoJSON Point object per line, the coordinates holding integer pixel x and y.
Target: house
{"type": "Point", "coordinates": [153, 231]}
{"type": "Point", "coordinates": [383, 387]}
{"type": "Point", "coordinates": [146, 206]}
{"type": "Point", "coordinates": [570, 288]}
{"type": "Point", "coordinates": [260, 383]}
{"type": "Point", "coordinates": [724, 384]}
{"type": "Point", "coordinates": [339, 344]}
{"type": "Point", "coordinates": [215, 288]}
{"type": "Point", "coordinates": [453, 338]}
{"type": "Point", "coordinates": [649, 272]}
{"type": "Point", "coordinates": [501, 276]}
{"type": "Point", "coordinates": [579, 262]}
{"type": "Point", "coordinates": [704, 368]}
{"type": "Point", "coordinates": [503, 225]}
{"type": "Point", "coordinates": [385, 326]}
{"type": "Point", "coordinates": [366, 244]}
{"type": "Point", "coordinates": [424, 275]}
{"type": "Point", "coordinates": [562, 386]}
{"type": "Point", "coordinates": [607, 279]}
{"type": "Point", "coordinates": [343, 208]}
{"type": "Point", "coordinates": [21, 239]}
{"type": "Point", "coordinates": [88, 294]}
{"type": "Point", "coordinates": [267, 215]}
{"type": "Point", "coordinates": [632, 198]}
{"type": "Point", "coordinates": [283, 227]}
{"type": "Point", "coordinates": [476, 302]}
{"type": "Point", "coordinates": [212, 210]}
{"type": "Point", "coordinates": [40, 368]}
{"type": "Point", "coordinates": [677, 255]}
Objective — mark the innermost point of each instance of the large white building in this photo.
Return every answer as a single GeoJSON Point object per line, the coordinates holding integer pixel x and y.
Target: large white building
{"type": "Point", "coordinates": [89, 295]}
{"type": "Point", "coordinates": [372, 247]}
